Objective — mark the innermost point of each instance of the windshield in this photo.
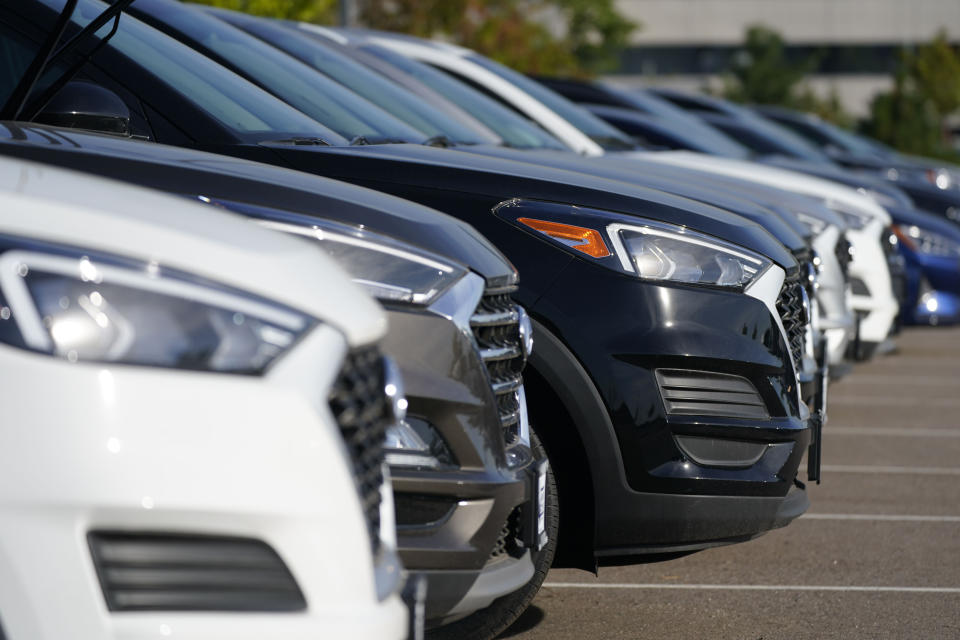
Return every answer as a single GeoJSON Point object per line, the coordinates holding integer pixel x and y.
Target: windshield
{"type": "Point", "coordinates": [515, 130]}
{"type": "Point", "coordinates": [595, 128]}
{"type": "Point", "coordinates": [360, 81]}
{"type": "Point", "coordinates": [246, 110]}
{"type": "Point", "coordinates": [707, 137]}
{"type": "Point", "coordinates": [292, 82]}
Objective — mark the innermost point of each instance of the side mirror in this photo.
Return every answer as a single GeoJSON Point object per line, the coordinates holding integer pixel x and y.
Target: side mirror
{"type": "Point", "coordinates": [84, 105]}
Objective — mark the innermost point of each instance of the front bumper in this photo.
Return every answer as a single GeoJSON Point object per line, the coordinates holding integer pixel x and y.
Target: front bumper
{"type": "Point", "coordinates": [453, 519]}
{"type": "Point", "coordinates": [137, 450]}
{"type": "Point", "coordinates": [877, 305]}
{"type": "Point", "coordinates": [650, 492]}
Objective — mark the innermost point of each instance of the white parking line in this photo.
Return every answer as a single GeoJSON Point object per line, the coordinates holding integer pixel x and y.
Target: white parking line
{"type": "Point", "coordinates": [864, 468]}
{"type": "Point", "coordinates": [875, 401]}
{"type": "Point", "coordinates": [904, 432]}
{"type": "Point", "coordinates": [878, 517]}
{"type": "Point", "coordinates": [901, 380]}
{"type": "Point", "coordinates": [747, 587]}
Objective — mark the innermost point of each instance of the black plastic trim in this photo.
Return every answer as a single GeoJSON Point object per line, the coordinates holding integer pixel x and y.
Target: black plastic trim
{"type": "Point", "coordinates": [178, 572]}
{"type": "Point", "coordinates": [691, 393]}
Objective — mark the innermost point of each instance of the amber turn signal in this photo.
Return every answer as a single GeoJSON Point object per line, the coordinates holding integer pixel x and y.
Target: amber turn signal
{"type": "Point", "coordinates": [588, 241]}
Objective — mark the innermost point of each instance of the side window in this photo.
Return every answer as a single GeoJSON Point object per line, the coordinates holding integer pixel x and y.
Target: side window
{"type": "Point", "coordinates": [16, 53]}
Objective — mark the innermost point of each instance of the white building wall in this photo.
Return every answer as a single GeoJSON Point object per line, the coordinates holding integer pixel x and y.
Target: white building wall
{"type": "Point", "coordinates": [800, 21]}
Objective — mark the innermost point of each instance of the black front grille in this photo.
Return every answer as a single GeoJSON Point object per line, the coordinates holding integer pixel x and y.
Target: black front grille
{"type": "Point", "coordinates": [496, 327]}
{"type": "Point", "coordinates": [417, 510]}
{"type": "Point", "coordinates": [362, 411]}
{"type": "Point", "coordinates": [844, 252]}
{"type": "Point", "coordinates": [794, 317]}
{"type": "Point", "coordinates": [175, 572]}
{"type": "Point", "coordinates": [508, 541]}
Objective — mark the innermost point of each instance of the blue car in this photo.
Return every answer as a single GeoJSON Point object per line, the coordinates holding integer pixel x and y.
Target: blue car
{"type": "Point", "coordinates": [930, 247]}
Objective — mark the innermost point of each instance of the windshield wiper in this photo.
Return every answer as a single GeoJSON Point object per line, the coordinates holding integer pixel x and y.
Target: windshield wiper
{"type": "Point", "coordinates": [46, 56]}
{"type": "Point", "coordinates": [300, 141]}
{"type": "Point", "coordinates": [440, 141]}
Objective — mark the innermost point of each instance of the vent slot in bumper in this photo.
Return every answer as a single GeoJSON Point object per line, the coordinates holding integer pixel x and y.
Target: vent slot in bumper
{"type": "Point", "coordinates": [704, 393]}
{"type": "Point", "coordinates": [360, 406]}
{"type": "Point", "coordinates": [170, 572]}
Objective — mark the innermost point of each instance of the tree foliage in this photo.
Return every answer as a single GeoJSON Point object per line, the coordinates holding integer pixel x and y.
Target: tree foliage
{"type": "Point", "coordinates": [760, 71]}
{"type": "Point", "coordinates": [913, 116]}
{"type": "Point", "coordinates": [322, 11]}
{"type": "Point", "coordinates": [536, 36]}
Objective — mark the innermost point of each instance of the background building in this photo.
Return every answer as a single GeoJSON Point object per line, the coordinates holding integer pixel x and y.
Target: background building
{"type": "Point", "coordinates": [688, 43]}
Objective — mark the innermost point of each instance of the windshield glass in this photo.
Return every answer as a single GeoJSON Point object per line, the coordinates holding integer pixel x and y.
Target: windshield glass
{"type": "Point", "coordinates": [294, 83]}
{"type": "Point", "coordinates": [358, 79]}
{"type": "Point", "coordinates": [707, 137]}
{"type": "Point", "coordinates": [249, 112]}
{"type": "Point", "coordinates": [598, 130]}
{"type": "Point", "coordinates": [515, 130]}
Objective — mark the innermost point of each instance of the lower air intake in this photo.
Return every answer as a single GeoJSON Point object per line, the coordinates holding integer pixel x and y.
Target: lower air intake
{"type": "Point", "coordinates": [703, 393]}
{"type": "Point", "coordinates": [169, 572]}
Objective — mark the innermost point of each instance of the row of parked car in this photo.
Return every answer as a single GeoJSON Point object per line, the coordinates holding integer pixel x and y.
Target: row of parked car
{"type": "Point", "coordinates": [269, 295]}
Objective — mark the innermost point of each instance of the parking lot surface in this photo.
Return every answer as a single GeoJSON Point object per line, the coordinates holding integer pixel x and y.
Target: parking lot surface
{"type": "Point", "coordinates": [876, 556]}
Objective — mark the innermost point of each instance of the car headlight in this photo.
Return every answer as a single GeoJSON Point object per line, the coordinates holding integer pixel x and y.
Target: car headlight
{"type": "Point", "coordinates": [927, 242]}
{"type": "Point", "coordinates": [647, 249]}
{"type": "Point", "coordinates": [388, 269]}
{"type": "Point", "coordinates": [92, 307]}
{"type": "Point", "coordinates": [854, 218]}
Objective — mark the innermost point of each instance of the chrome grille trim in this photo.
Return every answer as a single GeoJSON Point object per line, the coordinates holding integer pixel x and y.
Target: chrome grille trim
{"type": "Point", "coordinates": [496, 327]}
{"type": "Point", "coordinates": [794, 316]}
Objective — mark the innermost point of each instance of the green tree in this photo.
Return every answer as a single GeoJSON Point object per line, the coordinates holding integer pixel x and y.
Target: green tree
{"type": "Point", "coordinates": [913, 116]}
{"type": "Point", "coordinates": [536, 36]}
{"type": "Point", "coordinates": [322, 11]}
{"type": "Point", "coordinates": [760, 71]}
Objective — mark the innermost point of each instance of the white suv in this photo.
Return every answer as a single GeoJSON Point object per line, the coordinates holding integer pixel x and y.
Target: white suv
{"type": "Point", "coordinates": [177, 385]}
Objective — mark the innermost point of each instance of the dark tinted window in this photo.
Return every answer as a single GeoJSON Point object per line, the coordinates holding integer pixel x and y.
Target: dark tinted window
{"type": "Point", "coordinates": [16, 52]}
{"type": "Point", "coordinates": [237, 104]}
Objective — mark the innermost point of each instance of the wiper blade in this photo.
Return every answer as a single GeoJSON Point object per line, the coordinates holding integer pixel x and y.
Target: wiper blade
{"type": "Point", "coordinates": [302, 141]}
{"type": "Point", "coordinates": [439, 141]}
{"type": "Point", "coordinates": [366, 140]}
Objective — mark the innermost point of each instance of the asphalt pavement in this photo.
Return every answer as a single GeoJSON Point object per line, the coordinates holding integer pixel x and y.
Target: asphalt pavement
{"type": "Point", "coordinates": [876, 556]}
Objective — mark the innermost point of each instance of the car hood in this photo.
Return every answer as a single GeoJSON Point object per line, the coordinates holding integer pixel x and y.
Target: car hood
{"type": "Point", "coordinates": [499, 180]}
{"type": "Point", "coordinates": [669, 179]}
{"type": "Point", "coordinates": [222, 178]}
{"type": "Point", "coordinates": [50, 204]}
{"type": "Point", "coordinates": [788, 179]}
{"type": "Point", "coordinates": [852, 179]}
{"type": "Point", "coordinates": [928, 221]}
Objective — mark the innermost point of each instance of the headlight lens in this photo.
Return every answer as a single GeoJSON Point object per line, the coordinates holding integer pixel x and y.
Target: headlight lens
{"type": "Point", "coordinates": [647, 249]}
{"type": "Point", "coordinates": [927, 242]}
{"type": "Point", "coordinates": [85, 307]}
{"type": "Point", "coordinates": [388, 269]}
{"type": "Point", "coordinates": [656, 252]}
{"type": "Point", "coordinates": [854, 218]}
